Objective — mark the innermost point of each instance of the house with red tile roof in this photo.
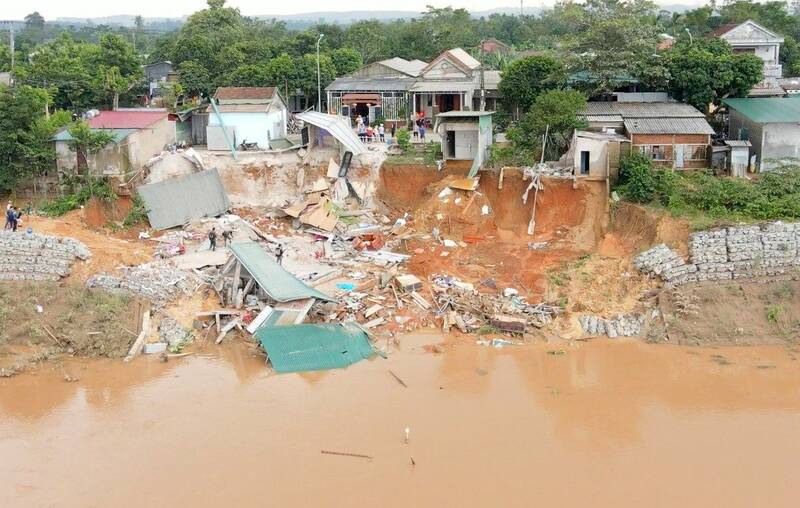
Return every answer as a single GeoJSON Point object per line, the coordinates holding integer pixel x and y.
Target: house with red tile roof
{"type": "Point", "coordinates": [138, 136]}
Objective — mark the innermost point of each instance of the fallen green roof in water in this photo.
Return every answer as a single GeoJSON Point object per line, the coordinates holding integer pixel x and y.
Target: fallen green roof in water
{"type": "Point", "coordinates": [309, 347]}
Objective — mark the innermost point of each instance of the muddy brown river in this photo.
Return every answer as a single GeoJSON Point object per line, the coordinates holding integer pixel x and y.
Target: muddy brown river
{"type": "Point", "coordinates": [619, 424]}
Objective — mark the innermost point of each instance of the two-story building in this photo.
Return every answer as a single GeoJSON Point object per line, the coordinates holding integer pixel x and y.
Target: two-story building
{"type": "Point", "coordinates": [750, 37]}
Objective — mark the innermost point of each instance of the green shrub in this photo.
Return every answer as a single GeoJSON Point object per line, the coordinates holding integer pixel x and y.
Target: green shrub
{"type": "Point", "coordinates": [773, 196]}
{"type": "Point", "coordinates": [137, 215]}
{"type": "Point", "coordinates": [433, 152]}
{"type": "Point", "coordinates": [404, 139]}
{"type": "Point", "coordinates": [94, 187]}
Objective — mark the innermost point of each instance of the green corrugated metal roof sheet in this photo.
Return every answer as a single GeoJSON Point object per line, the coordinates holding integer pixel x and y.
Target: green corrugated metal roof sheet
{"type": "Point", "coordinates": [308, 347]}
{"type": "Point", "coordinates": [176, 201]}
{"type": "Point", "coordinates": [772, 110]}
{"type": "Point", "coordinates": [279, 284]}
{"type": "Point", "coordinates": [119, 134]}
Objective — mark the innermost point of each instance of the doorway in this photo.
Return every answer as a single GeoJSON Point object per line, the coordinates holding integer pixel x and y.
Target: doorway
{"type": "Point", "coordinates": [585, 162]}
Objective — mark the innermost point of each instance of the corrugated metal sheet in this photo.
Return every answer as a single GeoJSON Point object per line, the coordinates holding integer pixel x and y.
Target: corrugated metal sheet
{"type": "Point", "coordinates": [338, 126]}
{"type": "Point", "coordinates": [643, 109]}
{"type": "Point", "coordinates": [775, 110]}
{"type": "Point", "coordinates": [444, 86]}
{"type": "Point", "coordinates": [176, 201]}
{"type": "Point", "coordinates": [346, 84]}
{"type": "Point", "coordinates": [310, 347]}
{"type": "Point", "coordinates": [412, 68]}
{"type": "Point", "coordinates": [604, 118]}
{"type": "Point", "coordinates": [668, 126]}
{"type": "Point", "coordinates": [279, 284]}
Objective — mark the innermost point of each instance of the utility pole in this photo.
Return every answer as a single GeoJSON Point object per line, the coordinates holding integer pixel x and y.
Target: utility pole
{"type": "Point", "coordinates": [319, 79]}
{"type": "Point", "coordinates": [521, 13]}
{"type": "Point", "coordinates": [483, 81]}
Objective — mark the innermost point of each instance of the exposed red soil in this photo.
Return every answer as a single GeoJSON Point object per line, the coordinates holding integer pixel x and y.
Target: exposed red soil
{"type": "Point", "coordinates": [494, 246]}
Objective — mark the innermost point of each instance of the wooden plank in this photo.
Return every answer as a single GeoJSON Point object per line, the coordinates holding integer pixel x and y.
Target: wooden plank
{"type": "Point", "coordinates": [375, 322]}
{"type": "Point", "coordinates": [469, 203]}
{"type": "Point", "coordinates": [325, 277]}
{"type": "Point", "coordinates": [372, 310]}
{"type": "Point", "coordinates": [223, 312]}
{"type": "Point", "coordinates": [225, 329]}
{"type": "Point", "coordinates": [138, 344]}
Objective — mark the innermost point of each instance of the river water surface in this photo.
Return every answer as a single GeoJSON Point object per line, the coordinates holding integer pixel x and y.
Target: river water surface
{"type": "Point", "coordinates": [619, 424]}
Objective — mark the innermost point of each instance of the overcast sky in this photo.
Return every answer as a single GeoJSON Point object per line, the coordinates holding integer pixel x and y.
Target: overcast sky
{"type": "Point", "coordinates": [51, 9]}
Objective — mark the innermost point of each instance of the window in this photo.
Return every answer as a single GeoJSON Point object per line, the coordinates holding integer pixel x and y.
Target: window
{"type": "Point", "coordinates": [655, 152]}
{"type": "Point", "coordinates": [696, 152]}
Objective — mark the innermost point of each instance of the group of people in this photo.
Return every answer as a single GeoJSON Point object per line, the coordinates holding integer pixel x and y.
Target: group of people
{"type": "Point", "coordinates": [13, 215]}
{"type": "Point", "coordinates": [227, 237]}
{"type": "Point", "coordinates": [370, 133]}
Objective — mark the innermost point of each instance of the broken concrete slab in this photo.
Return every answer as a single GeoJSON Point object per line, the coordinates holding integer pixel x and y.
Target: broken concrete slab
{"type": "Point", "coordinates": [200, 259]}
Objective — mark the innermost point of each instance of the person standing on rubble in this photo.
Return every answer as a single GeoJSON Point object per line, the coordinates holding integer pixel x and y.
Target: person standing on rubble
{"type": "Point", "coordinates": [279, 254]}
{"type": "Point", "coordinates": [212, 238]}
{"type": "Point", "coordinates": [382, 133]}
{"type": "Point", "coordinates": [227, 236]}
{"type": "Point", "coordinates": [9, 216]}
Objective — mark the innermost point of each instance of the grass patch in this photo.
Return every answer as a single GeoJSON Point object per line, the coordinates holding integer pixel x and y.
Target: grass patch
{"type": "Point", "coordinates": [774, 313]}
{"type": "Point", "coordinates": [81, 194]}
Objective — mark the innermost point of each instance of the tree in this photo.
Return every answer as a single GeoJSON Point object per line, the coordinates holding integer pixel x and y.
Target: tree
{"type": "Point", "coordinates": [194, 78]}
{"type": "Point", "coordinates": [345, 60]}
{"type": "Point", "coordinates": [22, 148]}
{"type": "Point", "coordinates": [34, 21]}
{"type": "Point", "coordinates": [248, 75]}
{"type": "Point", "coordinates": [611, 51]}
{"type": "Point", "coordinates": [86, 141]}
{"type": "Point", "coordinates": [524, 79]}
{"type": "Point", "coordinates": [138, 22]}
{"type": "Point", "coordinates": [555, 112]}
{"type": "Point", "coordinates": [706, 71]}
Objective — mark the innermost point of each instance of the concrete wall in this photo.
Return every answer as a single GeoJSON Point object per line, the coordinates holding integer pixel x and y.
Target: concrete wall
{"type": "Point", "coordinates": [254, 127]}
{"type": "Point", "coordinates": [598, 153]}
{"type": "Point", "coordinates": [146, 143]}
{"type": "Point", "coordinates": [781, 140]}
{"type": "Point", "coordinates": [741, 127]}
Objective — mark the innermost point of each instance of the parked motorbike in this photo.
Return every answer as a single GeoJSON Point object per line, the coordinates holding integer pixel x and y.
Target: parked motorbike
{"type": "Point", "coordinates": [244, 146]}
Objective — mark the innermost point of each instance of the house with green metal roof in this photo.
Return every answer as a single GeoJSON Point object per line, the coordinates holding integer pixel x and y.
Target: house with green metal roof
{"type": "Point", "coordinates": [771, 125]}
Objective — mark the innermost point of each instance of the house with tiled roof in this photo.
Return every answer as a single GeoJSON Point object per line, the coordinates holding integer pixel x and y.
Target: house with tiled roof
{"type": "Point", "coordinates": [246, 114]}
{"type": "Point", "coordinates": [138, 135]}
{"type": "Point", "coordinates": [398, 89]}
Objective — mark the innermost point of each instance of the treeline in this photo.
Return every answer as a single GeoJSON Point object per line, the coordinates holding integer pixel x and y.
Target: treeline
{"type": "Point", "coordinates": [593, 47]}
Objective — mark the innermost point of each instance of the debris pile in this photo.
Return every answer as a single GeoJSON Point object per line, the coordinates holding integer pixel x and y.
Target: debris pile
{"type": "Point", "coordinates": [736, 252]}
{"type": "Point", "coordinates": [157, 281]}
{"type": "Point", "coordinates": [462, 306]}
{"type": "Point", "coordinates": [31, 256]}
{"type": "Point", "coordinates": [173, 334]}
{"type": "Point", "coordinates": [621, 325]}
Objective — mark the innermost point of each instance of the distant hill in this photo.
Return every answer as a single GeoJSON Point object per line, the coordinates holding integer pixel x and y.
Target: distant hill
{"type": "Point", "coordinates": [305, 19]}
